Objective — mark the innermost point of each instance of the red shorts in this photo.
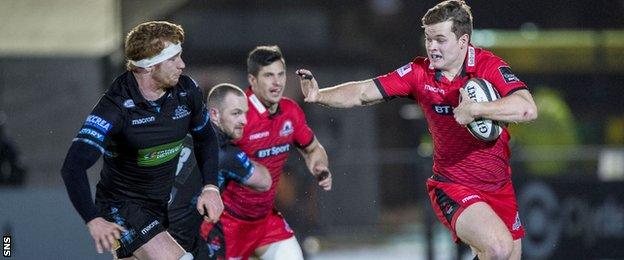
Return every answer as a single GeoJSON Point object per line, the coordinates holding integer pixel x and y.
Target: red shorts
{"type": "Point", "coordinates": [449, 200]}
{"type": "Point", "coordinates": [232, 237]}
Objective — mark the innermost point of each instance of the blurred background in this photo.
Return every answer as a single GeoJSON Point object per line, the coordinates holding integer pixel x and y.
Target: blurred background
{"type": "Point", "coordinates": [58, 56]}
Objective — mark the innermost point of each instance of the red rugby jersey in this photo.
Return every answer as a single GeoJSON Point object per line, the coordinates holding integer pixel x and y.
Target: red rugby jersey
{"type": "Point", "coordinates": [267, 139]}
{"type": "Point", "coordinates": [457, 154]}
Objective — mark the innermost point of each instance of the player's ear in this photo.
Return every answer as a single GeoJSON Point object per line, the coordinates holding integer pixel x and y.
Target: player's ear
{"type": "Point", "coordinates": [464, 40]}
{"type": "Point", "coordinates": [150, 69]}
{"type": "Point", "coordinates": [251, 79]}
{"type": "Point", "coordinates": [214, 115]}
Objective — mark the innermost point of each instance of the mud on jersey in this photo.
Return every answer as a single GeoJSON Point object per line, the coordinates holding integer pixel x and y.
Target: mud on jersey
{"type": "Point", "coordinates": [141, 139]}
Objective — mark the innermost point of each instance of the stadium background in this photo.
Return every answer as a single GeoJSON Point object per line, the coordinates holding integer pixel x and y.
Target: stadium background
{"type": "Point", "coordinates": [58, 56]}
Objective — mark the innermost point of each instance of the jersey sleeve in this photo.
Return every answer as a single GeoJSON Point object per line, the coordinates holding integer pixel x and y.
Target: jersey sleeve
{"type": "Point", "coordinates": [399, 82]}
{"type": "Point", "coordinates": [205, 140]}
{"type": "Point", "coordinates": [105, 119]}
{"type": "Point", "coordinates": [500, 75]}
{"type": "Point", "coordinates": [303, 135]}
{"type": "Point", "coordinates": [234, 165]}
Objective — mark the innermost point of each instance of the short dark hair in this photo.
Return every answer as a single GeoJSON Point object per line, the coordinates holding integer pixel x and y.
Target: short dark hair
{"type": "Point", "coordinates": [456, 11]}
{"type": "Point", "coordinates": [217, 94]}
{"type": "Point", "coordinates": [263, 56]}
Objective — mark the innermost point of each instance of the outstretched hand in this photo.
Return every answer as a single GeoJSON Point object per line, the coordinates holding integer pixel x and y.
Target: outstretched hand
{"type": "Point", "coordinates": [309, 86]}
{"type": "Point", "coordinates": [462, 112]}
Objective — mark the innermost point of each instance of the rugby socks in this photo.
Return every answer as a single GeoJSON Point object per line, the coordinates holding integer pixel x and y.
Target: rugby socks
{"type": "Point", "coordinates": [186, 256]}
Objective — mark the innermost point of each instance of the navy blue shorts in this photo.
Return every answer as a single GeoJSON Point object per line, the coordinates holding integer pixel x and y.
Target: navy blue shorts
{"type": "Point", "coordinates": [142, 223]}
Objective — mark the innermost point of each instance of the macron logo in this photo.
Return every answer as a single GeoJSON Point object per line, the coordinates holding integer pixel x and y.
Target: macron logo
{"type": "Point", "coordinates": [464, 200]}
{"type": "Point", "coordinates": [259, 135]}
{"type": "Point", "coordinates": [144, 120]}
{"type": "Point", "coordinates": [149, 227]}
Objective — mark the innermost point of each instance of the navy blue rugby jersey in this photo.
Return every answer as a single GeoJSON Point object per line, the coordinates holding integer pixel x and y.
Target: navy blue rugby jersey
{"type": "Point", "coordinates": [141, 139]}
{"type": "Point", "coordinates": [234, 165]}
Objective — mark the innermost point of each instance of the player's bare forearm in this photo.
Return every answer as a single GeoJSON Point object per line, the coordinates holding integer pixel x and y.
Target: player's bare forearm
{"type": "Point", "coordinates": [350, 94]}
{"type": "Point", "coordinates": [318, 164]}
{"type": "Point", "coordinates": [516, 108]}
{"type": "Point", "coordinates": [315, 157]}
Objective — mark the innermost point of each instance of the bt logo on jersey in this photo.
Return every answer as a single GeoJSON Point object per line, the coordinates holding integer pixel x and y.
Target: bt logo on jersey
{"type": "Point", "coordinates": [273, 151]}
{"type": "Point", "coordinates": [443, 109]}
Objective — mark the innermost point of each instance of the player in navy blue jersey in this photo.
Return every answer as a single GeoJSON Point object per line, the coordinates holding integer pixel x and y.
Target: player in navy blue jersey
{"type": "Point", "coordinates": [139, 126]}
{"type": "Point", "coordinates": [228, 109]}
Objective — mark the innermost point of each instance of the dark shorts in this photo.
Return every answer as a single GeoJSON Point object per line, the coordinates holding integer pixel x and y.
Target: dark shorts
{"type": "Point", "coordinates": [186, 232]}
{"type": "Point", "coordinates": [449, 200]}
{"type": "Point", "coordinates": [142, 223]}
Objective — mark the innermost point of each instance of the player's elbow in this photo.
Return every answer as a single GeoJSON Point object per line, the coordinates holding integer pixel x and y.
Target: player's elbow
{"type": "Point", "coordinates": [264, 183]}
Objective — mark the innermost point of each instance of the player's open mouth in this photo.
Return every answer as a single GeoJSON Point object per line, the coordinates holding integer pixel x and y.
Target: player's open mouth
{"type": "Point", "coordinates": [436, 57]}
{"type": "Point", "coordinates": [275, 91]}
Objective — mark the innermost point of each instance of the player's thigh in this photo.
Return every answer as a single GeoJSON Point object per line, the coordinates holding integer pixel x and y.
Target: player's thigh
{"type": "Point", "coordinates": [161, 246]}
{"type": "Point", "coordinates": [480, 227]}
{"type": "Point", "coordinates": [287, 249]}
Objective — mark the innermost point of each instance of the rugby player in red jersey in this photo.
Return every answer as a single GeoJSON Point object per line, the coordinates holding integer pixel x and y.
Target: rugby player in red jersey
{"type": "Point", "coordinates": [250, 226]}
{"type": "Point", "coordinates": [470, 190]}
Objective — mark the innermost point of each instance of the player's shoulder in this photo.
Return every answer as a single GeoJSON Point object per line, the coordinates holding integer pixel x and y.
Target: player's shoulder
{"type": "Point", "coordinates": [289, 105]}
{"type": "Point", "coordinates": [485, 57]}
{"type": "Point", "coordinates": [118, 94]}
{"type": "Point", "coordinates": [286, 101]}
{"type": "Point", "coordinates": [187, 83]}
{"type": "Point", "coordinates": [421, 62]}
{"type": "Point", "coordinates": [415, 66]}
{"type": "Point", "coordinates": [229, 151]}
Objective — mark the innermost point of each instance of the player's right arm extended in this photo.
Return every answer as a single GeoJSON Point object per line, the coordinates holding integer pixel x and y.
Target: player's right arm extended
{"type": "Point", "coordinates": [345, 95]}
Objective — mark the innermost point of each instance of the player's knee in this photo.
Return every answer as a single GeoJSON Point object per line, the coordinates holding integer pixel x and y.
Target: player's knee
{"type": "Point", "coordinates": [500, 248]}
{"type": "Point", "coordinates": [288, 249]}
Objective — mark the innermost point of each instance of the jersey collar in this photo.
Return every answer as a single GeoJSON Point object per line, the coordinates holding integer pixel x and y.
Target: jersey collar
{"type": "Point", "coordinates": [222, 138]}
{"type": "Point", "coordinates": [136, 95]}
{"type": "Point", "coordinates": [133, 87]}
{"type": "Point", "coordinates": [258, 106]}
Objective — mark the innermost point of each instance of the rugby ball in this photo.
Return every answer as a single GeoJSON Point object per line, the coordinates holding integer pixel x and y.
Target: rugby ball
{"type": "Point", "coordinates": [481, 90]}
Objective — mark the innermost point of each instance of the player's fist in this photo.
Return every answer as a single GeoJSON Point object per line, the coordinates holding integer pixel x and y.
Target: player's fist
{"type": "Point", "coordinates": [462, 112]}
{"type": "Point", "coordinates": [309, 86]}
{"type": "Point", "coordinates": [324, 177]}
{"type": "Point", "coordinates": [209, 203]}
{"type": "Point", "coordinates": [105, 234]}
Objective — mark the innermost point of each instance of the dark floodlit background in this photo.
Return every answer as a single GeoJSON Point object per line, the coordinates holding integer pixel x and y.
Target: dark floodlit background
{"type": "Point", "coordinates": [58, 56]}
